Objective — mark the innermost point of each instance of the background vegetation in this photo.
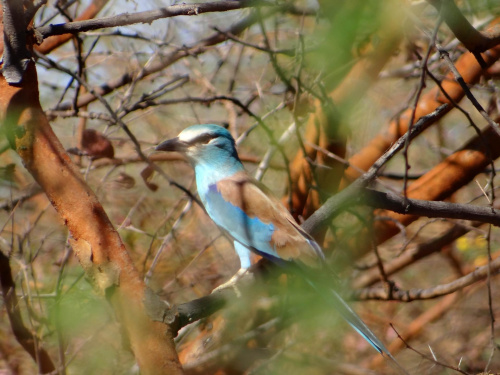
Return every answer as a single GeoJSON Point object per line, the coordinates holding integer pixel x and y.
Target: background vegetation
{"type": "Point", "coordinates": [314, 93]}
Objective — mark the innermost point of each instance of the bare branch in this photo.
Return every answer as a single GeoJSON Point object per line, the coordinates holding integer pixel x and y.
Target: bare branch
{"type": "Point", "coordinates": [164, 61]}
{"type": "Point", "coordinates": [412, 255]}
{"type": "Point", "coordinates": [478, 274]}
{"type": "Point", "coordinates": [142, 17]}
{"type": "Point", "coordinates": [464, 86]}
{"type": "Point", "coordinates": [51, 43]}
{"type": "Point", "coordinates": [432, 359]}
{"type": "Point", "coordinates": [25, 195]}
{"type": "Point", "coordinates": [392, 202]}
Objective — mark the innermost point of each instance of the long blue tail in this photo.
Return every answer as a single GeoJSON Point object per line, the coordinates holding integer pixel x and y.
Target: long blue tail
{"type": "Point", "coordinates": [333, 298]}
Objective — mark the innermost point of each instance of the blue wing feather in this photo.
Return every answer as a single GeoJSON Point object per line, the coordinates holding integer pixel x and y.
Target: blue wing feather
{"type": "Point", "coordinates": [333, 298]}
{"type": "Point", "coordinates": [257, 220]}
{"type": "Point", "coordinates": [249, 231]}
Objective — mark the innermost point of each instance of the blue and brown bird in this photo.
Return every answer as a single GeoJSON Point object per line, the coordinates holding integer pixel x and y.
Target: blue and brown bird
{"type": "Point", "coordinates": [256, 220]}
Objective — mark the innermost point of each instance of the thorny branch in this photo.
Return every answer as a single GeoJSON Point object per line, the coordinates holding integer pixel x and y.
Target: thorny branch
{"type": "Point", "coordinates": [432, 359]}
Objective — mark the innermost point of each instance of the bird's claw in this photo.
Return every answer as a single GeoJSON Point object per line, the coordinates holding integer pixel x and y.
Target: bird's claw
{"type": "Point", "coordinates": [231, 283]}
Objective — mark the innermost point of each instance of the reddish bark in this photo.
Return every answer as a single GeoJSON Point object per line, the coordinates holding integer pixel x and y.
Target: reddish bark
{"type": "Point", "coordinates": [444, 179]}
{"type": "Point", "coordinates": [323, 128]}
{"type": "Point", "coordinates": [470, 70]}
{"type": "Point", "coordinates": [95, 241]}
{"type": "Point", "coordinates": [53, 42]}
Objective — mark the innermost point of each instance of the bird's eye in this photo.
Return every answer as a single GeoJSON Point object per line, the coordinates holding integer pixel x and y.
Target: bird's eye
{"type": "Point", "coordinates": [202, 139]}
{"type": "Point", "coordinates": [205, 139]}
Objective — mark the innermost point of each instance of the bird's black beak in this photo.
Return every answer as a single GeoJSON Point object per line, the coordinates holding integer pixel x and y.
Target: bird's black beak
{"type": "Point", "coordinates": [173, 144]}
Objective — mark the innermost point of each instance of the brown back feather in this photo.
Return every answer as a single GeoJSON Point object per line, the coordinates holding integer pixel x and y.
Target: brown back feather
{"type": "Point", "coordinates": [289, 240]}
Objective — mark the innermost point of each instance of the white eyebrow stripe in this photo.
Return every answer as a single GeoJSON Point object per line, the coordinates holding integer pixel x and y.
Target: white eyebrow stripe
{"type": "Point", "coordinates": [188, 135]}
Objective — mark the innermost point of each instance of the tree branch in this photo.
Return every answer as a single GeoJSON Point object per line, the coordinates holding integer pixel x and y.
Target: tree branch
{"type": "Point", "coordinates": [434, 292]}
{"type": "Point", "coordinates": [164, 61]}
{"type": "Point", "coordinates": [446, 210]}
{"type": "Point", "coordinates": [410, 256]}
{"type": "Point", "coordinates": [142, 17]}
{"type": "Point", "coordinates": [352, 194]}
{"type": "Point", "coordinates": [49, 44]}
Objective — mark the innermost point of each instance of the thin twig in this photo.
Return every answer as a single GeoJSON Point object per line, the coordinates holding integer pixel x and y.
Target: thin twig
{"type": "Point", "coordinates": [478, 274]}
{"type": "Point", "coordinates": [426, 356]}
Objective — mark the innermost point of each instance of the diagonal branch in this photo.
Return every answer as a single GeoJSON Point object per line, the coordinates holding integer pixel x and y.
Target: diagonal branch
{"type": "Point", "coordinates": [352, 194]}
{"type": "Point", "coordinates": [469, 69]}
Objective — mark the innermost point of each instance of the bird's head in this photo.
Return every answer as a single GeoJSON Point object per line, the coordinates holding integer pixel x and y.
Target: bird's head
{"type": "Point", "coordinates": [203, 144]}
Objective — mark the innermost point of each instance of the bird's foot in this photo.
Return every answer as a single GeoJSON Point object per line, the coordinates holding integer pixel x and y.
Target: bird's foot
{"type": "Point", "coordinates": [231, 283]}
